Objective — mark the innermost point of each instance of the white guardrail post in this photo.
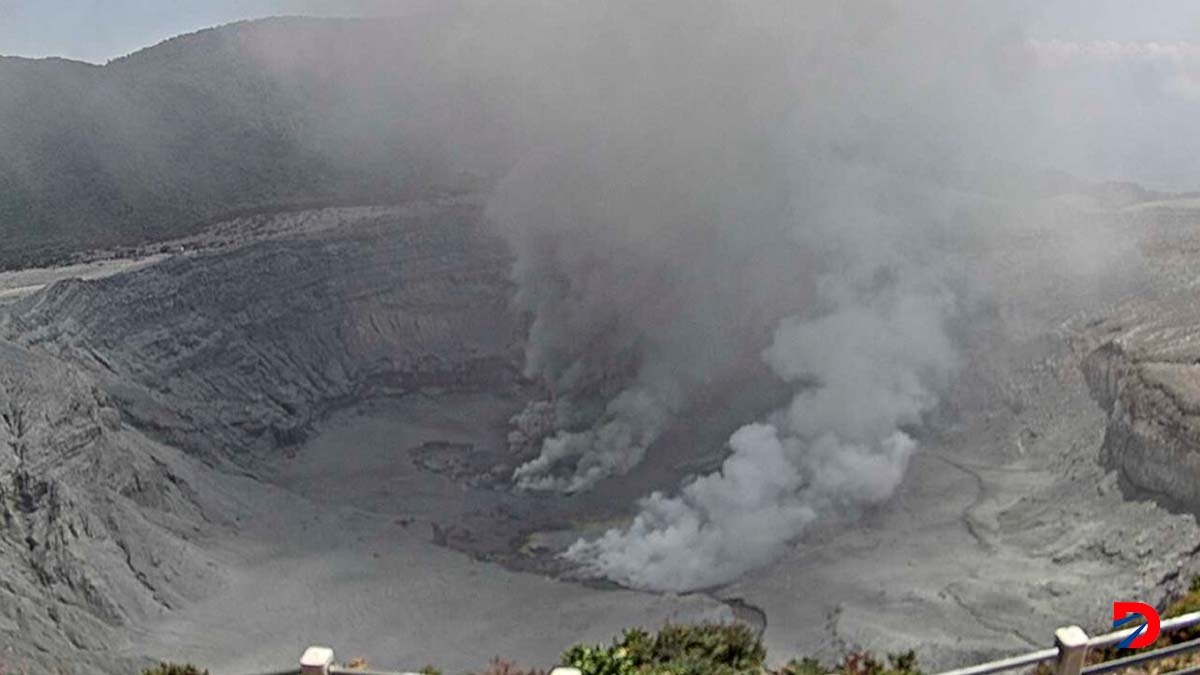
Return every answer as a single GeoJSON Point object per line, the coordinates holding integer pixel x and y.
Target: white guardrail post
{"type": "Point", "coordinates": [316, 661]}
{"type": "Point", "coordinates": [1072, 645]}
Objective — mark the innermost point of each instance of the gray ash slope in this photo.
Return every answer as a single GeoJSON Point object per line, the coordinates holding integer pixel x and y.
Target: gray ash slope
{"type": "Point", "coordinates": [94, 524]}
{"type": "Point", "coordinates": [222, 354]}
{"type": "Point", "coordinates": [105, 382]}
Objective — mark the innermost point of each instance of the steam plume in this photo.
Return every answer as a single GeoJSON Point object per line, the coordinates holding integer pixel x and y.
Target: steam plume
{"type": "Point", "coordinates": [693, 188]}
{"type": "Point", "coordinates": [837, 447]}
{"type": "Point", "coordinates": [713, 182]}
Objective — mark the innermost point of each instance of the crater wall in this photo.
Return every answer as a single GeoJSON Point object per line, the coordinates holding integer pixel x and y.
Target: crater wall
{"type": "Point", "coordinates": [119, 395]}
{"type": "Point", "coordinates": [237, 351]}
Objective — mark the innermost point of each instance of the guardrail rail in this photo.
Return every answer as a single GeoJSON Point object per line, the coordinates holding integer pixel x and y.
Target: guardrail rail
{"type": "Point", "coordinates": [1072, 644]}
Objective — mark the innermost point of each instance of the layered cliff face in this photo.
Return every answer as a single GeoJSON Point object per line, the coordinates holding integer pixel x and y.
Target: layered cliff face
{"type": "Point", "coordinates": [1145, 373]}
{"type": "Point", "coordinates": [116, 393]}
{"type": "Point", "coordinates": [221, 354]}
{"type": "Point", "coordinates": [1142, 363]}
{"type": "Point", "coordinates": [94, 520]}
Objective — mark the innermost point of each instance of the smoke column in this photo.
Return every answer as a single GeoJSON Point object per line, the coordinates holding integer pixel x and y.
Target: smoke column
{"type": "Point", "coordinates": [698, 186]}
{"type": "Point", "coordinates": [647, 228]}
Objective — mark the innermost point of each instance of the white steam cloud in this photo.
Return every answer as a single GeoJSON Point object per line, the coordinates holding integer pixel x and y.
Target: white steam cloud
{"type": "Point", "coordinates": [838, 446]}
{"type": "Point", "coordinates": [647, 221]}
{"type": "Point", "coordinates": [694, 188]}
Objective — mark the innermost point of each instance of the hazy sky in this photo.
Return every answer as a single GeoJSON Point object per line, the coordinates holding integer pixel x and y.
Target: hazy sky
{"type": "Point", "coordinates": [98, 30]}
{"type": "Point", "coordinates": [1132, 67]}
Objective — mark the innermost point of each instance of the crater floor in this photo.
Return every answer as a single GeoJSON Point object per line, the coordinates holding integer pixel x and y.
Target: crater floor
{"type": "Point", "coordinates": [338, 549]}
{"type": "Point", "coordinates": [287, 432]}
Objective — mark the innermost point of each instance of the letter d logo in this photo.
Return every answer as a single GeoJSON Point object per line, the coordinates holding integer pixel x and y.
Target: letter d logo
{"type": "Point", "coordinates": [1126, 612]}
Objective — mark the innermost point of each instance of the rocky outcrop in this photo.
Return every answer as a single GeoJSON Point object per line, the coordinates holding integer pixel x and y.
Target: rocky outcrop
{"type": "Point", "coordinates": [1143, 368]}
{"type": "Point", "coordinates": [116, 393]}
{"type": "Point", "coordinates": [93, 520]}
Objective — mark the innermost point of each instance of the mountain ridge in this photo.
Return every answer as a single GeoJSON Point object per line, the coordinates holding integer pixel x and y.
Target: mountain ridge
{"type": "Point", "coordinates": [156, 143]}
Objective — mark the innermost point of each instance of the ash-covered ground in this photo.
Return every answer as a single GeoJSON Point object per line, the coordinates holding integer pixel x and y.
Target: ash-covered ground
{"type": "Point", "coordinates": [487, 328]}
{"type": "Point", "coordinates": [294, 429]}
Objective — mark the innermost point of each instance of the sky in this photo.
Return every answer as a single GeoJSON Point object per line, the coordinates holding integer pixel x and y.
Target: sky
{"type": "Point", "coordinates": [1132, 65]}
{"type": "Point", "coordinates": [98, 30]}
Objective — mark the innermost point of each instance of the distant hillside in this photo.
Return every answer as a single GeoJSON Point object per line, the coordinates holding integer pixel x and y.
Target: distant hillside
{"type": "Point", "coordinates": [250, 115]}
{"type": "Point", "coordinates": [290, 112]}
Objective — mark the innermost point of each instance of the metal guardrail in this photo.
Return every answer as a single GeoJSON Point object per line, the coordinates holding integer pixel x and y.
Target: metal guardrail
{"type": "Point", "coordinates": [1068, 655]}
{"type": "Point", "coordinates": [1072, 645]}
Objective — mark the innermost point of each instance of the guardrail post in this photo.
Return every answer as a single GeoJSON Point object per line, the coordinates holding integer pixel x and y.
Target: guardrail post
{"type": "Point", "coordinates": [316, 661]}
{"type": "Point", "coordinates": [1072, 645]}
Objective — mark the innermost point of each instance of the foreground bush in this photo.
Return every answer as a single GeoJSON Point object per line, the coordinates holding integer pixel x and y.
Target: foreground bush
{"type": "Point", "coordinates": [174, 669]}
{"type": "Point", "coordinates": [859, 663]}
{"type": "Point", "coordinates": [711, 649]}
{"type": "Point", "coordinates": [714, 649]}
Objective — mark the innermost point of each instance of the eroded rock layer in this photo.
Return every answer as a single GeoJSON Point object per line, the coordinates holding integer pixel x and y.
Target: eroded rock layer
{"type": "Point", "coordinates": [1144, 370]}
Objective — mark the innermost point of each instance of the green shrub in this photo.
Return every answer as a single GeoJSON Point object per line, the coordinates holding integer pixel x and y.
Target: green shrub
{"type": "Point", "coordinates": [677, 649]}
{"type": "Point", "coordinates": [174, 669]}
{"type": "Point", "coordinates": [714, 649]}
{"type": "Point", "coordinates": [498, 666]}
{"type": "Point", "coordinates": [597, 660]}
{"type": "Point", "coordinates": [804, 666]}
{"type": "Point", "coordinates": [856, 663]}
{"type": "Point", "coordinates": [730, 645]}
{"type": "Point", "coordinates": [904, 662]}
{"type": "Point", "coordinates": [1186, 604]}
{"type": "Point", "coordinates": [864, 663]}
